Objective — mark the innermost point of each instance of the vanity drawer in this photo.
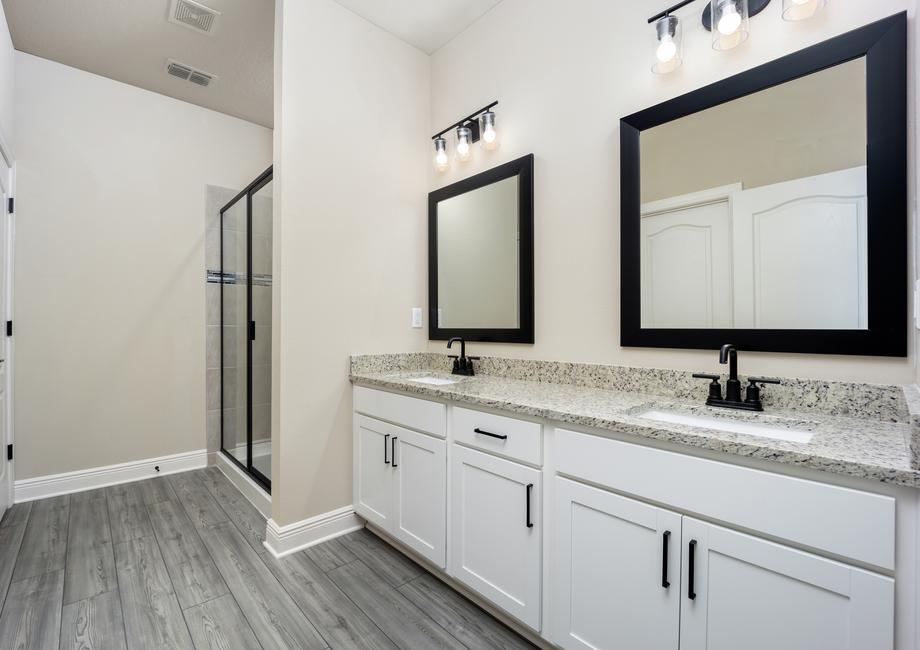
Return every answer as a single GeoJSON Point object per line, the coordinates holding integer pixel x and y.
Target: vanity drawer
{"type": "Point", "coordinates": [499, 435]}
{"type": "Point", "coordinates": [411, 412]}
{"type": "Point", "coordinates": [838, 520]}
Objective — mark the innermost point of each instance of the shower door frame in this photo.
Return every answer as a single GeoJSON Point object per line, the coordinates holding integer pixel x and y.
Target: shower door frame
{"type": "Point", "coordinates": [261, 181]}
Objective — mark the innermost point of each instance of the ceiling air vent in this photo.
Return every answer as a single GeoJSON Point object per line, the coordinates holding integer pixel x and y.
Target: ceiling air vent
{"type": "Point", "coordinates": [188, 73]}
{"type": "Point", "coordinates": [178, 70]}
{"type": "Point", "coordinates": [189, 13]}
{"type": "Point", "coordinates": [200, 78]}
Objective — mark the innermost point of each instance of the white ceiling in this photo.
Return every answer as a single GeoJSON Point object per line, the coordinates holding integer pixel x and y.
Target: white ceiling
{"type": "Point", "coordinates": [130, 40]}
{"type": "Point", "coordinates": [426, 24]}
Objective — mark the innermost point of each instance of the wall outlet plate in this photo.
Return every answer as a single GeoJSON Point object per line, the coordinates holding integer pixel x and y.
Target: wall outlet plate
{"type": "Point", "coordinates": [416, 317]}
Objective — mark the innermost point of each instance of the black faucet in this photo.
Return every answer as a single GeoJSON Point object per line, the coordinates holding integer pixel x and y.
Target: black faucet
{"type": "Point", "coordinates": [728, 353]}
{"type": "Point", "coordinates": [463, 365]}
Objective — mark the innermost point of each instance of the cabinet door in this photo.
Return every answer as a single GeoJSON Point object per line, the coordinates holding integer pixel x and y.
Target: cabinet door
{"type": "Point", "coordinates": [495, 531]}
{"type": "Point", "coordinates": [373, 473]}
{"type": "Point", "coordinates": [420, 469]}
{"type": "Point", "coordinates": [617, 571]}
{"type": "Point", "coordinates": [745, 592]}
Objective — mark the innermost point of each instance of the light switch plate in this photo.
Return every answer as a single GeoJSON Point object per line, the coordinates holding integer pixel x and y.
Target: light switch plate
{"type": "Point", "coordinates": [416, 317]}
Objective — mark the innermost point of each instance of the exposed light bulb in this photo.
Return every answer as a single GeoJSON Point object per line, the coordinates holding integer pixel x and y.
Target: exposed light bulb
{"type": "Point", "coordinates": [667, 44]}
{"type": "Point", "coordinates": [440, 154]}
{"type": "Point", "coordinates": [666, 51]}
{"type": "Point", "coordinates": [489, 136]}
{"type": "Point", "coordinates": [801, 9]}
{"type": "Point", "coordinates": [730, 20]}
{"type": "Point", "coordinates": [464, 137]}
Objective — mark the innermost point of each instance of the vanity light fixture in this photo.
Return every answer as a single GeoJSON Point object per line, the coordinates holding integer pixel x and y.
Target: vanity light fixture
{"type": "Point", "coordinates": [801, 9]}
{"type": "Point", "coordinates": [729, 23]}
{"type": "Point", "coordinates": [472, 128]}
{"type": "Point", "coordinates": [464, 142]}
{"type": "Point", "coordinates": [668, 44]}
{"type": "Point", "coordinates": [441, 161]}
{"type": "Point", "coordinates": [489, 135]}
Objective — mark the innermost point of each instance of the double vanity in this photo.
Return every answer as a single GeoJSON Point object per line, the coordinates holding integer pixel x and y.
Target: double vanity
{"type": "Point", "coordinates": [622, 508]}
{"type": "Point", "coordinates": [607, 507]}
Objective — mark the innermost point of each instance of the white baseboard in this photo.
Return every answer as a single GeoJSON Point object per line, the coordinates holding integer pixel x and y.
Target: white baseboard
{"type": "Point", "coordinates": [253, 492]}
{"type": "Point", "coordinates": [284, 540]}
{"type": "Point", "coordinates": [41, 487]}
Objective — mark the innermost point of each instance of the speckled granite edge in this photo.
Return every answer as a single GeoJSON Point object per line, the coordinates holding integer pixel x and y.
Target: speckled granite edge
{"type": "Point", "coordinates": [912, 398]}
{"type": "Point", "coordinates": [861, 448]}
{"type": "Point", "coordinates": [865, 401]}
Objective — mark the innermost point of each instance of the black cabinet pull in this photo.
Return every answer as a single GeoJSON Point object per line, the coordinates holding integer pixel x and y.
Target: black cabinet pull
{"type": "Point", "coordinates": [691, 569]}
{"type": "Point", "coordinates": [665, 543]}
{"type": "Point", "coordinates": [491, 435]}
{"type": "Point", "coordinates": [393, 450]}
{"type": "Point", "coordinates": [529, 490]}
{"type": "Point", "coordinates": [386, 440]}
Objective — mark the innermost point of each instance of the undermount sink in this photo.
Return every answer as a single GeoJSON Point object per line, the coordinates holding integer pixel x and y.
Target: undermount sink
{"type": "Point", "coordinates": [732, 426]}
{"type": "Point", "coordinates": [434, 381]}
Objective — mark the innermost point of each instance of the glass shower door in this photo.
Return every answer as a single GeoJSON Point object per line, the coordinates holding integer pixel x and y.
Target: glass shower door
{"type": "Point", "coordinates": [234, 245]}
{"type": "Point", "coordinates": [261, 243]}
{"type": "Point", "coordinates": [246, 329]}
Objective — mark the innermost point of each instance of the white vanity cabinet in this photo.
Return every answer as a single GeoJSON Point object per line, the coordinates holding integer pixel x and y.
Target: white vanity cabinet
{"type": "Point", "coordinates": [632, 575]}
{"type": "Point", "coordinates": [754, 594]}
{"type": "Point", "coordinates": [727, 589]}
{"type": "Point", "coordinates": [400, 484]}
{"type": "Point", "coordinates": [617, 564]}
{"type": "Point", "coordinates": [644, 548]}
{"type": "Point", "coordinates": [496, 529]}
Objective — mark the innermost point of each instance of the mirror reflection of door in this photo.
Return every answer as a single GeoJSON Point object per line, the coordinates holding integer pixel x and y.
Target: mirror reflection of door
{"type": "Point", "coordinates": [754, 212]}
{"type": "Point", "coordinates": [789, 255]}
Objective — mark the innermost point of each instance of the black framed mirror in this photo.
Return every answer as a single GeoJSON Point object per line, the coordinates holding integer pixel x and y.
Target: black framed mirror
{"type": "Point", "coordinates": [769, 209]}
{"type": "Point", "coordinates": [480, 256]}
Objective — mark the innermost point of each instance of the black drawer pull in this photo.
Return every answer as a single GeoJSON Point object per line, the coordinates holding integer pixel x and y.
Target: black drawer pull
{"type": "Point", "coordinates": [393, 450]}
{"type": "Point", "coordinates": [386, 441]}
{"type": "Point", "coordinates": [691, 569]}
{"type": "Point", "coordinates": [529, 490]}
{"type": "Point", "coordinates": [491, 435]}
{"type": "Point", "coordinates": [665, 544]}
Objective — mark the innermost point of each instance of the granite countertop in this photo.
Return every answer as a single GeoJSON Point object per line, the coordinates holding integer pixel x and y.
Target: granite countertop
{"type": "Point", "coordinates": [867, 448]}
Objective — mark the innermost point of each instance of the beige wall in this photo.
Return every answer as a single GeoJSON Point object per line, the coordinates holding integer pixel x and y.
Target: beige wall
{"type": "Point", "coordinates": [6, 80]}
{"type": "Point", "coordinates": [109, 284]}
{"type": "Point", "coordinates": [352, 154]}
{"type": "Point", "coordinates": [565, 73]}
{"type": "Point", "coordinates": [809, 126]}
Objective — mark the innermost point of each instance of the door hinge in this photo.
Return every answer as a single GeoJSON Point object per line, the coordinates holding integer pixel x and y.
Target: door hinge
{"type": "Point", "coordinates": [9, 205]}
{"type": "Point", "coordinates": [9, 452]}
{"type": "Point", "coordinates": [9, 328]}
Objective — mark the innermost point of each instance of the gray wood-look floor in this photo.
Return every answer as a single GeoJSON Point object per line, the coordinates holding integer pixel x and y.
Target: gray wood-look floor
{"type": "Point", "coordinates": [178, 562]}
